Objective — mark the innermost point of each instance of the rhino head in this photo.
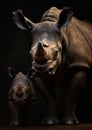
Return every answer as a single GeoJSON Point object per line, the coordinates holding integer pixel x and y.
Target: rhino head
{"type": "Point", "coordinates": [47, 40]}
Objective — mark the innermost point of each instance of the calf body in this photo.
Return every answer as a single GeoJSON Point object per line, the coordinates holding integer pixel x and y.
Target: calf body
{"type": "Point", "coordinates": [61, 54]}
{"type": "Point", "coordinates": [21, 98]}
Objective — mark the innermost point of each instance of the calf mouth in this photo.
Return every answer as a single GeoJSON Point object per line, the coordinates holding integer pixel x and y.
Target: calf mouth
{"type": "Point", "coordinates": [23, 100]}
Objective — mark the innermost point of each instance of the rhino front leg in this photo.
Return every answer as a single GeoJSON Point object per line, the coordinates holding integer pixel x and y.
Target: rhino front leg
{"type": "Point", "coordinates": [14, 114]}
{"type": "Point", "coordinates": [76, 86]}
{"type": "Point", "coordinates": [50, 117]}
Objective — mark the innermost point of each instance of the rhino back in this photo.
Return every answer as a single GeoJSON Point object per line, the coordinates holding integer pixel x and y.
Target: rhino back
{"type": "Point", "coordinates": [78, 34]}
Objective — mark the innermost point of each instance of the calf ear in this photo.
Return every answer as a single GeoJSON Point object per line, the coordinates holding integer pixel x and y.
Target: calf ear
{"type": "Point", "coordinates": [21, 21]}
{"type": "Point", "coordinates": [65, 17]}
{"type": "Point", "coordinates": [11, 72]}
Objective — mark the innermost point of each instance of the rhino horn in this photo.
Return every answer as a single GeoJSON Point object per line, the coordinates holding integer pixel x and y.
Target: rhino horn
{"type": "Point", "coordinates": [40, 50]}
{"type": "Point", "coordinates": [40, 56]}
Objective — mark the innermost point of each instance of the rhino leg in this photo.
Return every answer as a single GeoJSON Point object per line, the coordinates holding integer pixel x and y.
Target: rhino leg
{"type": "Point", "coordinates": [14, 114]}
{"type": "Point", "coordinates": [48, 94]}
{"type": "Point", "coordinates": [50, 117]}
{"type": "Point", "coordinates": [75, 88]}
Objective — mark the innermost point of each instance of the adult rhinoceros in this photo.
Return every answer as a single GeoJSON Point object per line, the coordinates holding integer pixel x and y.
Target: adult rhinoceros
{"type": "Point", "coordinates": [61, 51]}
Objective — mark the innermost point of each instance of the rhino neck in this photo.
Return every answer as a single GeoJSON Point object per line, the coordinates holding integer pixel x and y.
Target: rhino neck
{"type": "Point", "coordinates": [65, 45]}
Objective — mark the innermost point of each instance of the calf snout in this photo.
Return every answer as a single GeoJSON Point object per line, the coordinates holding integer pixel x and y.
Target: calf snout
{"type": "Point", "coordinates": [19, 94]}
{"type": "Point", "coordinates": [19, 91]}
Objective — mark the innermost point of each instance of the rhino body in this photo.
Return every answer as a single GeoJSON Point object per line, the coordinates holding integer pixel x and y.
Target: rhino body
{"type": "Point", "coordinates": [61, 51]}
{"type": "Point", "coordinates": [21, 98]}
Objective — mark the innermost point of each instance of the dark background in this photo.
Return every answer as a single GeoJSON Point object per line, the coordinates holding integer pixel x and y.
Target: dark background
{"type": "Point", "coordinates": [15, 45]}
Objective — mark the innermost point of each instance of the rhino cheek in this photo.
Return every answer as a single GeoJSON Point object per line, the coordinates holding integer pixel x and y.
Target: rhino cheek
{"type": "Point", "coordinates": [53, 67]}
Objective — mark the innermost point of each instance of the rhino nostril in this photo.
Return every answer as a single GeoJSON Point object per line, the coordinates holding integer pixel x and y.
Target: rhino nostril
{"type": "Point", "coordinates": [41, 60]}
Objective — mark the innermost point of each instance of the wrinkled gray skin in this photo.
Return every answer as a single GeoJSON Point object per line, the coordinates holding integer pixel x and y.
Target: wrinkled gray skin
{"type": "Point", "coordinates": [21, 98]}
{"type": "Point", "coordinates": [61, 51]}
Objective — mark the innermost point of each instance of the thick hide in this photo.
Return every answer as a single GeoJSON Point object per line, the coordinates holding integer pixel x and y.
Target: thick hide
{"type": "Point", "coordinates": [21, 98]}
{"type": "Point", "coordinates": [61, 51]}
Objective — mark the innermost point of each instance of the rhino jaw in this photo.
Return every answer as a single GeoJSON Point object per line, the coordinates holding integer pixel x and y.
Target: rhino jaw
{"type": "Point", "coordinates": [42, 69]}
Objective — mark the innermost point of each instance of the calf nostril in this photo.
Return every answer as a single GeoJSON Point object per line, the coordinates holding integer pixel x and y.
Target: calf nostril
{"type": "Point", "coordinates": [20, 94]}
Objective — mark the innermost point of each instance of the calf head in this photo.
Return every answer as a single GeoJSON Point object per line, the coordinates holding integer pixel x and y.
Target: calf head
{"type": "Point", "coordinates": [47, 40]}
{"type": "Point", "coordinates": [21, 88]}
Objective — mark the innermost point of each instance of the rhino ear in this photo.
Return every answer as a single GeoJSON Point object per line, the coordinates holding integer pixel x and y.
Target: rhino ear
{"type": "Point", "coordinates": [29, 74]}
{"type": "Point", "coordinates": [11, 72]}
{"type": "Point", "coordinates": [21, 21]}
{"type": "Point", "coordinates": [65, 17]}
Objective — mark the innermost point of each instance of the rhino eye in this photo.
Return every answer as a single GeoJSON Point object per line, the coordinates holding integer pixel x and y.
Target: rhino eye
{"type": "Point", "coordinates": [55, 54]}
{"type": "Point", "coordinates": [45, 45]}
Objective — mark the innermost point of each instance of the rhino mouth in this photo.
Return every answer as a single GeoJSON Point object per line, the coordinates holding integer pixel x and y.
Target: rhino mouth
{"type": "Point", "coordinates": [43, 68]}
{"type": "Point", "coordinates": [40, 67]}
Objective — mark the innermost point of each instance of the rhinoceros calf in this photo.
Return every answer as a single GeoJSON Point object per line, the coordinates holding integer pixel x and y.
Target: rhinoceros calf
{"type": "Point", "coordinates": [21, 98]}
{"type": "Point", "coordinates": [61, 51]}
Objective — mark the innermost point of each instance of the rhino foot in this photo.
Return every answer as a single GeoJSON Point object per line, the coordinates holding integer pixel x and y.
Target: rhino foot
{"type": "Point", "coordinates": [50, 121]}
{"type": "Point", "coordinates": [70, 121]}
{"type": "Point", "coordinates": [15, 123]}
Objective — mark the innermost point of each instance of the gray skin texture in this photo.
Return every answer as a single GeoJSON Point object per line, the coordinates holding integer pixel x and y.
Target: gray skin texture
{"type": "Point", "coordinates": [61, 51]}
{"type": "Point", "coordinates": [21, 98]}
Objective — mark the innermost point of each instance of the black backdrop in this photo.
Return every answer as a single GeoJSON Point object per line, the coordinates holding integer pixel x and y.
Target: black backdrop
{"type": "Point", "coordinates": [15, 45]}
